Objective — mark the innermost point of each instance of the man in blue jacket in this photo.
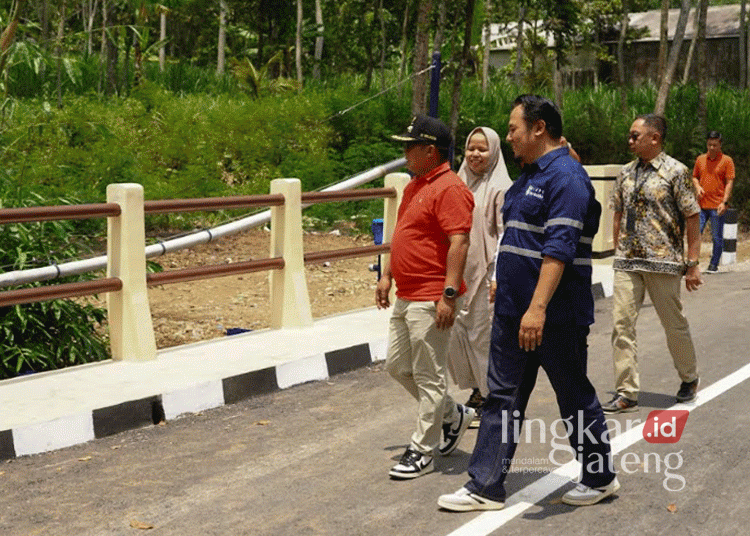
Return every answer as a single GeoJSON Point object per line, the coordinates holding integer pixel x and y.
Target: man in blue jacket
{"type": "Point", "coordinates": [543, 310]}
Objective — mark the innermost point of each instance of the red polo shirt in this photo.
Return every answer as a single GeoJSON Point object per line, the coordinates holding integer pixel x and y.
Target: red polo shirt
{"type": "Point", "coordinates": [713, 176]}
{"type": "Point", "coordinates": [434, 207]}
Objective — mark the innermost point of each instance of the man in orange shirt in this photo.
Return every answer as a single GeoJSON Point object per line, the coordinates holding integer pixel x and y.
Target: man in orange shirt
{"type": "Point", "coordinates": [428, 253]}
{"type": "Point", "coordinates": [713, 176]}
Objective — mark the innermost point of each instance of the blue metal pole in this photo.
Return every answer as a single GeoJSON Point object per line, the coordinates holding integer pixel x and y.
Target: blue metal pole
{"type": "Point", "coordinates": [435, 84]}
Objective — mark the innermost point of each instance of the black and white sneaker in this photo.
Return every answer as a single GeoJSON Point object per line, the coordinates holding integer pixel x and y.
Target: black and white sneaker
{"type": "Point", "coordinates": [411, 465]}
{"type": "Point", "coordinates": [454, 431]}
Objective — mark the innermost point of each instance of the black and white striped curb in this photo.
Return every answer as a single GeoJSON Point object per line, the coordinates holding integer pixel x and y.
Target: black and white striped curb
{"type": "Point", "coordinates": [106, 421]}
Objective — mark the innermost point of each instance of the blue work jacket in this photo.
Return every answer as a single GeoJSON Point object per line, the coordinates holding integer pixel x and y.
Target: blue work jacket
{"type": "Point", "coordinates": [551, 210]}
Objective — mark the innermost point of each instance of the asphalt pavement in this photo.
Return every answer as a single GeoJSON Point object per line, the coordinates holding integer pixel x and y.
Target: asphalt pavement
{"type": "Point", "coordinates": [313, 459]}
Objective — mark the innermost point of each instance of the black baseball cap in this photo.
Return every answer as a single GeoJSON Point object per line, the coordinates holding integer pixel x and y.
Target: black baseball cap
{"type": "Point", "coordinates": [426, 129]}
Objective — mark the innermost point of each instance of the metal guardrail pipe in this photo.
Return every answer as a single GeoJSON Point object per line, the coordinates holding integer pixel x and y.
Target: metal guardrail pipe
{"type": "Point", "coordinates": [61, 212]}
{"type": "Point", "coordinates": [20, 277]}
{"type": "Point", "coordinates": [53, 292]}
{"type": "Point", "coordinates": [211, 203]}
{"type": "Point", "coordinates": [214, 270]}
{"type": "Point", "coordinates": [348, 253]}
{"type": "Point", "coordinates": [312, 198]}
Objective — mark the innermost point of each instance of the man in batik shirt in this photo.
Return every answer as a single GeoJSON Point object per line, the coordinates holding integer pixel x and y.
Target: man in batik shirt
{"type": "Point", "coordinates": [654, 203]}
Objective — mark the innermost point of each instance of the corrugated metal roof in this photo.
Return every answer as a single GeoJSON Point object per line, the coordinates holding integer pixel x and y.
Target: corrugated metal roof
{"type": "Point", "coordinates": [721, 22]}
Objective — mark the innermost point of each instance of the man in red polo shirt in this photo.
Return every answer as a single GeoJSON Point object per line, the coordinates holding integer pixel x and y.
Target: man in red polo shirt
{"type": "Point", "coordinates": [428, 253]}
{"type": "Point", "coordinates": [713, 176]}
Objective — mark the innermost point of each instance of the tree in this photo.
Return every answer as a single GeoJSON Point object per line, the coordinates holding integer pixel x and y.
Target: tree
{"type": "Point", "coordinates": [298, 43]}
{"type": "Point", "coordinates": [88, 12]}
{"type": "Point", "coordinates": [519, 44]}
{"type": "Point", "coordinates": [6, 38]}
{"type": "Point", "coordinates": [743, 45]}
{"type": "Point", "coordinates": [319, 29]}
{"type": "Point", "coordinates": [59, 52]}
{"type": "Point", "coordinates": [486, 33]}
{"type": "Point", "coordinates": [563, 20]}
{"type": "Point", "coordinates": [421, 59]}
{"type": "Point", "coordinates": [621, 54]}
{"type": "Point", "coordinates": [674, 55]}
{"type": "Point", "coordinates": [663, 39]}
{"type": "Point", "coordinates": [221, 48]}
{"type": "Point", "coordinates": [162, 37]}
{"type": "Point", "coordinates": [702, 69]}
{"type": "Point", "coordinates": [458, 77]}
{"type": "Point", "coordinates": [691, 50]}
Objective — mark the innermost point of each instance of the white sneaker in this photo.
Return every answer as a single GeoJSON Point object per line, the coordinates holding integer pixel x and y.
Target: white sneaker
{"type": "Point", "coordinates": [454, 431]}
{"type": "Point", "coordinates": [586, 496]}
{"type": "Point", "coordinates": [465, 501]}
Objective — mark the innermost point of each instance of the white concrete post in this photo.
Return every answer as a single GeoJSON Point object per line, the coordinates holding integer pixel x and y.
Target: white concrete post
{"type": "Point", "coordinates": [390, 214]}
{"type": "Point", "coordinates": [603, 181]}
{"type": "Point", "coordinates": [290, 301]}
{"type": "Point", "coordinates": [131, 331]}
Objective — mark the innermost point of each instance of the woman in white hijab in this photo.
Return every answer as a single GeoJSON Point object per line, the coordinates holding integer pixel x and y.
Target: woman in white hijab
{"type": "Point", "coordinates": [483, 170]}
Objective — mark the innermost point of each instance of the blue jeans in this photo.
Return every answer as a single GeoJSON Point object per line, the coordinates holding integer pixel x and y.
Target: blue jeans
{"type": "Point", "coordinates": [511, 378]}
{"type": "Point", "coordinates": [717, 232]}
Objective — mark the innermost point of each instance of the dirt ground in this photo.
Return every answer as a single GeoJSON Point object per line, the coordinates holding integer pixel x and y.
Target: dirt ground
{"type": "Point", "coordinates": [200, 310]}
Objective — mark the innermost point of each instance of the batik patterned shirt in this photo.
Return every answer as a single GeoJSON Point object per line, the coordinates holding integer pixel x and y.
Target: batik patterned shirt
{"type": "Point", "coordinates": [658, 196]}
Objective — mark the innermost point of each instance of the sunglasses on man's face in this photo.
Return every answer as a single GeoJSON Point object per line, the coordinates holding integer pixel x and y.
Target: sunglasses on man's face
{"type": "Point", "coordinates": [634, 136]}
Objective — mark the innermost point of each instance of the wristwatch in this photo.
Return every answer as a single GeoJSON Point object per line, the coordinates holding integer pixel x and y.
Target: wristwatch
{"type": "Point", "coordinates": [691, 264]}
{"type": "Point", "coordinates": [450, 293]}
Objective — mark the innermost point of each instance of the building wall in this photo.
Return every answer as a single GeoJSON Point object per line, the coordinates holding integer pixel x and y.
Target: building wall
{"type": "Point", "coordinates": [642, 60]}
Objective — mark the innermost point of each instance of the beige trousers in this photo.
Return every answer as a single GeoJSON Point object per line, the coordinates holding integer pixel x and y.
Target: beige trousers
{"type": "Point", "coordinates": [416, 359]}
{"type": "Point", "coordinates": [469, 346]}
{"type": "Point", "coordinates": [664, 291]}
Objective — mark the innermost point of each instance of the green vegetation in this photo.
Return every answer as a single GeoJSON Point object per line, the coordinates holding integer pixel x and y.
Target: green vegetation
{"type": "Point", "coordinates": [211, 144]}
{"type": "Point", "coordinates": [231, 142]}
{"type": "Point", "coordinates": [47, 335]}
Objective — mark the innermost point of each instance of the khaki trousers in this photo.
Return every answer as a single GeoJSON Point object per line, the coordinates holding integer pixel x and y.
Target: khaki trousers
{"type": "Point", "coordinates": [416, 359]}
{"type": "Point", "coordinates": [664, 291]}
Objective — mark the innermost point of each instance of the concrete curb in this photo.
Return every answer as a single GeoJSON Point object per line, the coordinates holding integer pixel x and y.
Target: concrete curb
{"type": "Point", "coordinates": [105, 421]}
{"type": "Point", "coordinates": [204, 384]}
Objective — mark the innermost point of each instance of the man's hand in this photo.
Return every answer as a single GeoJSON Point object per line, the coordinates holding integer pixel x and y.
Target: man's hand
{"type": "Point", "coordinates": [493, 291]}
{"type": "Point", "coordinates": [445, 313]}
{"type": "Point", "coordinates": [699, 191]}
{"type": "Point", "coordinates": [532, 325]}
{"type": "Point", "coordinates": [693, 278]}
{"type": "Point", "coordinates": [382, 291]}
{"type": "Point", "coordinates": [722, 208]}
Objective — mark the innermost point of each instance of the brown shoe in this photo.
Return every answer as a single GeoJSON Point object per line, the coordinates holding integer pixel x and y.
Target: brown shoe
{"type": "Point", "coordinates": [688, 391]}
{"type": "Point", "coordinates": [476, 401]}
{"type": "Point", "coordinates": [620, 404]}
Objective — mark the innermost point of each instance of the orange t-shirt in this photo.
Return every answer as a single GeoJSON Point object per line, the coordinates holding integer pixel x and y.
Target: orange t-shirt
{"type": "Point", "coordinates": [434, 207]}
{"type": "Point", "coordinates": [713, 176]}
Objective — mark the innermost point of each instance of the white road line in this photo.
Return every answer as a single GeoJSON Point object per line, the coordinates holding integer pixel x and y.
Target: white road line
{"type": "Point", "coordinates": [524, 499]}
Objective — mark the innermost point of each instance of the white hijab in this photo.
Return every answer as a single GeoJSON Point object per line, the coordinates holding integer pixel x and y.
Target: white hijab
{"type": "Point", "coordinates": [487, 226]}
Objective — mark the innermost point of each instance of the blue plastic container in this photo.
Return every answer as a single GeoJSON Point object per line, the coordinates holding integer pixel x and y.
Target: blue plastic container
{"type": "Point", "coordinates": [377, 230]}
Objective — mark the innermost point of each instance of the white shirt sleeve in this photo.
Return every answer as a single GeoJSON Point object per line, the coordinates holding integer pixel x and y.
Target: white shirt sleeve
{"type": "Point", "coordinates": [497, 254]}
